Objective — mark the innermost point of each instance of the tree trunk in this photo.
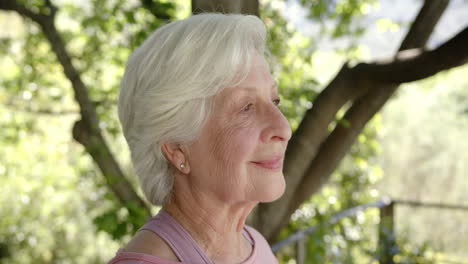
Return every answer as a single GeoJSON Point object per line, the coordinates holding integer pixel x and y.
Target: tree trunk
{"type": "Point", "coordinates": [226, 6]}
{"type": "Point", "coordinates": [86, 131]}
{"type": "Point", "coordinates": [313, 152]}
{"type": "Point", "coordinates": [323, 150]}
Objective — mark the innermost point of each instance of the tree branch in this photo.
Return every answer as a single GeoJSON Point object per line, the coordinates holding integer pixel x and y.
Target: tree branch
{"type": "Point", "coordinates": [47, 24]}
{"type": "Point", "coordinates": [225, 6]}
{"type": "Point", "coordinates": [154, 8]}
{"type": "Point", "coordinates": [10, 5]}
{"type": "Point", "coordinates": [86, 131]}
{"type": "Point", "coordinates": [337, 144]}
{"type": "Point", "coordinates": [422, 27]}
{"type": "Point", "coordinates": [451, 54]}
{"type": "Point", "coordinates": [313, 154]}
{"type": "Point", "coordinates": [53, 9]}
{"type": "Point", "coordinates": [304, 144]}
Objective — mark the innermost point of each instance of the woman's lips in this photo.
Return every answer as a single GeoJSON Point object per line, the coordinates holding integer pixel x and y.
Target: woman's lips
{"type": "Point", "coordinates": [272, 164]}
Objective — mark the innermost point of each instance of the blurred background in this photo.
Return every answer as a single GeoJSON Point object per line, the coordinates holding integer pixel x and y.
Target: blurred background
{"type": "Point", "coordinates": [63, 159]}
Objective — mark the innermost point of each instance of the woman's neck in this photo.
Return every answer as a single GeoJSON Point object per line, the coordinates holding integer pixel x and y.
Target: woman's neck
{"type": "Point", "coordinates": [215, 226]}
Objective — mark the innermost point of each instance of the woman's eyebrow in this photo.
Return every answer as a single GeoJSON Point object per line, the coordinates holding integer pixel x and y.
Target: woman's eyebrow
{"type": "Point", "coordinates": [274, 86]}
{"type": "Point", "coordinates": [236, 94]}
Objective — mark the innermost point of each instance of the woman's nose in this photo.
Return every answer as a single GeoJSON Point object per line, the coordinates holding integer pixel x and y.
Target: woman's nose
{"type": "Point", "coordinates": [278, 127]}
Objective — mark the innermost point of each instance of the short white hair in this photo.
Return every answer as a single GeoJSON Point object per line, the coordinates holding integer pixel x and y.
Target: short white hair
{"type": "Point", "coordinates": [169, 84]}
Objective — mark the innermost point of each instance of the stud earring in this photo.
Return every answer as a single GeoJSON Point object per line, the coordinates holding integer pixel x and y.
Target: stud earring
{"type": "Point", "coordinates": [182, 165]}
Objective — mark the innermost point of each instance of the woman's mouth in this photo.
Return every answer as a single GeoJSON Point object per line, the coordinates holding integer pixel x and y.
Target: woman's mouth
{"type": "Point", "coordinates": [272, 164]}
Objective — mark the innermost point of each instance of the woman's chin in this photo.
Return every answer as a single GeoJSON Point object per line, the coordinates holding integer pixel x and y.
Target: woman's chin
{"type": "Point", "coordinates": [273, 190]}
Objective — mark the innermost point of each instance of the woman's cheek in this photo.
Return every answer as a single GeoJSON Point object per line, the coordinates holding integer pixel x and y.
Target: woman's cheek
{"type": "Point", "coordinates": [236, 140]}
{"type": "Point", "coordinates": [221, 143]}
{"type": "Point", "coordinates": [244, 140]}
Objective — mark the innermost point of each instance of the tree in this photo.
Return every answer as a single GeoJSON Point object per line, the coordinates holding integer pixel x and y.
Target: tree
{"type": "Point", "coordinates": [314, 151]}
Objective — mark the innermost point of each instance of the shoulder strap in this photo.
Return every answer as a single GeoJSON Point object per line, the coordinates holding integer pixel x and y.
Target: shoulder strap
{"type": "Point", "coordinates": [248, 236]}
{"type": "Point", "coordinates": [183, 245]}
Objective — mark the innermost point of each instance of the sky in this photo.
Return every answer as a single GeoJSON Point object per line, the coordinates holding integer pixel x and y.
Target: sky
{"type": "Point", "coordinates": [402, 12]}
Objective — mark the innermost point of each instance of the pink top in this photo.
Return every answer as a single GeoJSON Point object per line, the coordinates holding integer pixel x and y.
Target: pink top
{"type": "Point", "coordinates": [185, 247]}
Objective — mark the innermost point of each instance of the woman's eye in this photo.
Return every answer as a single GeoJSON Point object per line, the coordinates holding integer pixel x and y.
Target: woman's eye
{"type": "Point", "coordinates": [277, 102]}
{"type": "Point", "coordinates": [247, 107]}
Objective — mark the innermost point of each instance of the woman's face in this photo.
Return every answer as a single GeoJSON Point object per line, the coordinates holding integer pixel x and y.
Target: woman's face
{"type": "Point", "coordinates": [239, 155]}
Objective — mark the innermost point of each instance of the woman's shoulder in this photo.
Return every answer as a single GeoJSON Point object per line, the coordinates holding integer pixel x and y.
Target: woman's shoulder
{"type": "Point", "coordinates": [257, 236]}
{"type": "Point", "coordinates": [263, 249]}
{"type": "Point", "coordinates": [139, 258]}
{"type": "Point", "coordinates": [145, 247]}
{"type": "Point", "coordinates": [124, 257]}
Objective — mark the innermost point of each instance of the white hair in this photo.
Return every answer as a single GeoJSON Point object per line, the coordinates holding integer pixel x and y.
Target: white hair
{"type": "Point", "coordinates": [169, 83]}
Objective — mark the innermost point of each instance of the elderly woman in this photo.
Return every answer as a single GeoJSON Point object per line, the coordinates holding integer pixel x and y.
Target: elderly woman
{"type": "Point", "coordinates": [199, 110]}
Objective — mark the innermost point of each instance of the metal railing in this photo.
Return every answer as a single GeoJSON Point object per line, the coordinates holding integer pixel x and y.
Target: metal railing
{"type": "Point", "coordinates": [386, 239]}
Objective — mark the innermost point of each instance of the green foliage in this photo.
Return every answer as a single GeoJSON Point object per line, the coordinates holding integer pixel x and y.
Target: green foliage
{"type": "Point", "coordinates": [353, 240]}
{"type": "Point", "coordinates": [339, 18]}
{"type": "Point", "coordinates": [47, 206]}
{"type": "Point", "coordinates": [56, 204]}
{"type": "Point", "coordinates": [426, 159]}
{"type": "Point", "coordinates": [291, 64]}
{"type": "Point", "coordinates": [351, 185]}
{"type": "Point", "coordinates": [55, 213]}
{"type": "Point", "coordinates": [120, 221]}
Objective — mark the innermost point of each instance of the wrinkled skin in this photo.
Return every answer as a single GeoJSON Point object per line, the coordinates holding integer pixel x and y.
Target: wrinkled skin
{"type": "Point", "coordinates": [220, 182]}
{"type": "Point", "coordinates": [246, 126]}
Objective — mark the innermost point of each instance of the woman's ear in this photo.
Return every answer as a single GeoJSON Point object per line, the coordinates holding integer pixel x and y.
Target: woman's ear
{"type": "Point", "coordinates": [175, 154]}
